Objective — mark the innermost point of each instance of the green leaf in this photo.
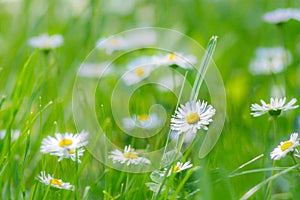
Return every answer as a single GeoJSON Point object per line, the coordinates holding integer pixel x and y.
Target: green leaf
{"type": "Point", "coordinates": [154, 187]}
{"type": "Point", "coordinates": [169, 157]}
{"type": "Point", "coordinates": [156, 177]}
{"type": "Point", "coordinates": [263, 183]}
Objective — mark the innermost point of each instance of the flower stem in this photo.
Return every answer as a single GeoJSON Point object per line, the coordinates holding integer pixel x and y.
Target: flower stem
{"type": "Point", "coordinates": [294, 160]}
{"type": "Point", "coordinates": [270, 188]}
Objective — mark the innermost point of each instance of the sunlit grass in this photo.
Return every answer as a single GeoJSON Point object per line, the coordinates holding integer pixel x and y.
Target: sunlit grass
{"type": "Point", "coordinates": [36, 98]}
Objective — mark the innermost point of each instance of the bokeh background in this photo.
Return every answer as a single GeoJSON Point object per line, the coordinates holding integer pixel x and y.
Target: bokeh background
{"type": "Point", "coordinates": [240, 29]}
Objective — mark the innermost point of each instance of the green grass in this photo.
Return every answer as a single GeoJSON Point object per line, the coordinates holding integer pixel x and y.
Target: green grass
{"type": "Point", "coordinates": [37, 97]}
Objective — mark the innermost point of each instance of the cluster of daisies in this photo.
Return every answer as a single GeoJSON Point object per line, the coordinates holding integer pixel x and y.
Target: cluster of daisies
{"type": "Point", "coordinates": [272, 60]}
{"type": "Point", "coordinates": [64, 146]}
{"type": "Point", "coordinates": [274, 109]}
{"type": "Point", "coordinates": [188, 119]}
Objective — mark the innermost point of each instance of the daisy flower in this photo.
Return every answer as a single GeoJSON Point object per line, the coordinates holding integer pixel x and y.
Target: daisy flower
{"type": "Point", "coordinates": [112, 44]}
{"type": "Point", "coordinates": [139, 38]}
{"type": "Point", "coordinates": [274, 108]}
{"type": "Point", "coordinates": [184, 61]}
{"type": "Point", "coordinates": [285, 147]}
{"type": "Point", "coordinates": [14, 134]}
{"type": "Point", "coordinates": [94, 70]}
{"type": "Point", "coordinates": [144, 121]}
{"type": "Point", "coordinates": [269, 60]}
{"type": "Point", "coordinates": [128, 157]}
{"type": "Point", "coordinates": [170, 82]}
{"type": "Point", "coordinates": [192, 116]}
{"type": "Point", "coordinates": [57, 183]}
{"type": "Point", "coordinates": [138, 70]}
{"type": "Point", "coordinates": [45, 42]}
{"type": "Point", "coordinates": [177, 168]}
{"type": "Point", "coordinates": [118, 7]}
{"type": "Point", "coordinates": [282, 15]}
{"type": "Point", "coordinates": [65, 145]}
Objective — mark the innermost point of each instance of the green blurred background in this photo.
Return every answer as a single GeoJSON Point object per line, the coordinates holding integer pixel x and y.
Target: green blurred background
{"type": "Point", "coordinates": [81, 22]}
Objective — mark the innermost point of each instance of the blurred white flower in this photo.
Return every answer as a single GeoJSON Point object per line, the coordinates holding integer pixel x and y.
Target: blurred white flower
{"type": "Point", "coordinates": [282, 15]}
{"type": "Point", "coordinates": [112, 44]}
{"type": "Point", "coordinates": [94, 70]}
{"type": "Point", "coordinates": [57, 183]}
{"type": "Point", "coordinates": [188, 138]}
{"type": "Point", "coordinates": [277, 91]}
{"type": "Point", "coordinates": [119, 7]}
{"type": "Point", "coordinates": [138, 70]}
{"type": "Point", "coordinates": [269, 60]}
{"type": "Point", "coordinates": [45, 42]}
{"type": "Point", "coordinates": [170, 82]}
{"type": "Point", "coordinates": [128, 157]}
{"type": "Point", "coordinates": [14, 134]}
{"type": "Point", "coordinates": [177, 168]}
{"type": "Point", "coordinates": [274, 108]}
{"type": "Point", "coordinates": [184, 61]}
{"type": "Point", "coordinates": [65, 145]}
{"type": "Point", "coordinates": [192, 116]}
{"type": "Point", "coordinates": [285, 147]}
{"type": "Point", "coordinates": [144, 121]}
{"type": "Point", "coordinates": [137, 39]}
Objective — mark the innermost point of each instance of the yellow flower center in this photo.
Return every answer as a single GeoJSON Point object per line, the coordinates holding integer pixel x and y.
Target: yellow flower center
{"type": "Point", "coordinates": [176, 168]}
{"type": "Point", "coordinates": [139, 71]}
{"type": "Point", "coordinates": [71, 151]}
{"type": "Point", "coordinates": [65, 142]}
{"type": "Point", "coordinates": [56, 182]}
{"type": "Point", "coordinates": [192, 118]}
{"type": "Point", "coordinates": [130, 155]}
{"type": "Point", "coordinates": [114, 42]}
{"type": "Point", "coordinates": [286, 145]}
{"type": "Point", "coordinates": [172, 56]}
{"type": "Point", "coordinates": [143, 117]}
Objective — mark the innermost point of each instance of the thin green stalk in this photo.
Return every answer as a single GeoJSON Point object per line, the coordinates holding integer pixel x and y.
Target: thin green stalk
{"type": "Point", "coordinates": [295, 162]}
{"type": "Point", "coordinates": [275, 129]}
{"type": "Point", "coordinates": [177, 105]}
{"type": "Point", "coordinates": [247, 163]}
{"type": "Point", "coordinates": [203, 68]}
{"type": "Point", "coordinates": [270, 188]}
{"type": "Point", "coordinates": [127, 183]}
{"type": "Point", "coordinates": [77, 175]}
{"type": "Point", "coordinates": [254, 189]}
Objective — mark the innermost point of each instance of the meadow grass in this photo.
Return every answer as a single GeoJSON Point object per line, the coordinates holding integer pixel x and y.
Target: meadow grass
{"type": "Point", "coordinates": [37, 98]}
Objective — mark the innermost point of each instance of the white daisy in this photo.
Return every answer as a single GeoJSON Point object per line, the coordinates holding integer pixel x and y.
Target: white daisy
{"type": "Point", "coordinates": [112, 44]}
{"type": "Point", "coordinates": [274, 108]}
{"type": "Point", "coordinates": [177, 168]}
{"type": "Point", "coordinates": [128, 157]}
{"type": "Point", "coordinates": [136, 39]}
{"type": "Point", "coordinates": [184, 61]}
{"type": "Point", "coordinates": [282, 15]}
{"type": "Point", "coordinates": [14, 134]}
{"type": "Point", "coordinates": [285, 147]}
{"type": "Point", "coordinates": [57, 183]}
{"type": "Point", "coordinates": [170, 82]}
{"type": "Point", "coordinates": [144, 121]}
{"type": "Point", "coordinates": [65, 145]}
{"type": "Point", "coordinates": [118, 7]}
{"type": "Point", "coordinates": [269, 60]}
{"type": "Point", "coordinates": [94, 70]}
{"type": "Point", "coordinates": [137, 74]}
{"type": "Point", "coordinates": [45, 42]}
{"type": "Point", "coordinates": [192, 116]}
